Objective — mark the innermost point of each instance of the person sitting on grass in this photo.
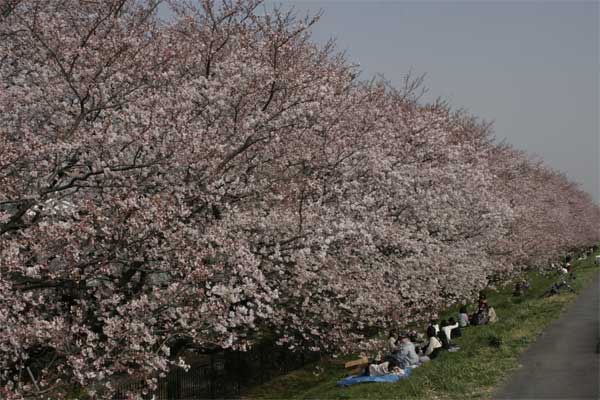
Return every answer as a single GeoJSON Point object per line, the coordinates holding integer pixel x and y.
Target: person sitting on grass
{"type": "Point", "coordinates": [554, 289]}
{"type": "Point", "coordinates": [407, 351]}
{"type": "Point", "coordinates": [444, 339]}
{"type": "Point", "coordinates": [491, 314]}
{"type": "Point", "coordinates": [562, 270]}
{"type": "Point", "coordinates": [435, 325]}
{"type": "Point", "coordinates": [480, 317]}
{"type": "Point", "coordinates": [379, 369]}
{"type": "Point", "coordinates": [571, 271]}
{"type": "Point", "coordinates": [518, 290]}
{"type": "Point", "coordinates": [431, 331]}
{"type": "Point", "coordinates": [454, 332]}
{"type": "Point", "coordinates": [446, 334]}
{"type": "Point", "coordinates": [563, 284]}
{"type": "Point", "coordinates": [391, 343]}
{"type": "Point", "coordinates": [482, 301]}
{"type": "Point", "coordinates": [415, 336]}
{"type": "Point", "coordinates": [433, 348]}
{"type": "Point", "coordinates": [447, 327]}
{"type": "Point", "coordinates": [405, 355]}
{"type": "Point", "coordinates": [463, 317]}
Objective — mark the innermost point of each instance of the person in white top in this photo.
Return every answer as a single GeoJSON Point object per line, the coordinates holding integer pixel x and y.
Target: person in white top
{"type": "Point", "coordinates": [463, 317]}
{"type": "Point", "coordinates": [391, 344]}
{"type": "Point", "coordinates": [379, 369]}
{"type": "Point", "coordinates": [433, 348]}
{"type": "Point", "coordinates": [563, 271]}
{"type": "Point", "coordinates": [492, 317]}
{"type": "Point", "coordinates": [447, 329]}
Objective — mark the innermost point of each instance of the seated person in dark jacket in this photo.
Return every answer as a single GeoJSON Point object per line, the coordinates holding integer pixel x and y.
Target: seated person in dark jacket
{"type": "Point", "coordinates": [480, 317]}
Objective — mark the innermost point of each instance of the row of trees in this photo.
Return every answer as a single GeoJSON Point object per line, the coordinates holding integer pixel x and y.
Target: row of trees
{"type": "Point", "coordinates": [208, 179]}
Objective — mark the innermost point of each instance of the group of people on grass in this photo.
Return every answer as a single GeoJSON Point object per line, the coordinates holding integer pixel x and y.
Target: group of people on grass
{"type": "Point", "coordinates": [410, 349]}
{"type": "Point", "coordinates": [564, 272]}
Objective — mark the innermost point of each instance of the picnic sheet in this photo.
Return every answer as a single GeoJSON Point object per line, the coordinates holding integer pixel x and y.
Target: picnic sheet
{"type": "Point", "coordinates": [391, 378]}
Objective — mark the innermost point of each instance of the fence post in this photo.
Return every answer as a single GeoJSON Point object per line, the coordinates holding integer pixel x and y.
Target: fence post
{"type": "Point", "coordinates": [238, 364]}
{"type": "Point", "coordinates": [172, 385]}
{"type": "Point", "coordinates": [212, 376]}
{"type": "Point", "coordinates": [284, 362]}
{"type": "Point", "coordinates": [261, 364]}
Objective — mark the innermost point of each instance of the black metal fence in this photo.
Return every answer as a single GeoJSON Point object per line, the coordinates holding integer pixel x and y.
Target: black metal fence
{"type": "Point", "coordinates": [225, 374]}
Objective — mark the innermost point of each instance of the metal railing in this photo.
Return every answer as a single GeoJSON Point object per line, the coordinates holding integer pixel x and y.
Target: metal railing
{"type": "Point", "coordinates": [223, 375]}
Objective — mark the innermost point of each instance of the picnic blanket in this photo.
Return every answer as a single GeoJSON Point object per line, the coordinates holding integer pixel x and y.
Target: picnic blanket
{"type": "Point", "coordinates": [391, 378]}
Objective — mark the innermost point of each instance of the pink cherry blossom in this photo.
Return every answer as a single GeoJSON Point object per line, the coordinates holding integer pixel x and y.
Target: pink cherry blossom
{"type": "Point", "coordinates": [204, 181]}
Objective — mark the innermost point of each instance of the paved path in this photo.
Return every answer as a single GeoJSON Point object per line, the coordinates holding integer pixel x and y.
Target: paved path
{"type": "Point", "coordinates": [562, 363]}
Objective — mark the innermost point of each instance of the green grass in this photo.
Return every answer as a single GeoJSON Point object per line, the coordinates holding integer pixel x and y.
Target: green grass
{"type": "Point", "coordinates": [488, 353]}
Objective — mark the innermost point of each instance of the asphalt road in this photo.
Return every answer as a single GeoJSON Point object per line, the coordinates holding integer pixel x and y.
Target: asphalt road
{"type": "Point", "coordinates": [562, 363]}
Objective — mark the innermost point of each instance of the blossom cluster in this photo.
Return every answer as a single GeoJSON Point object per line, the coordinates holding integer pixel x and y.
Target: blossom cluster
{"type": "Point", "coordinates": [204, 181]}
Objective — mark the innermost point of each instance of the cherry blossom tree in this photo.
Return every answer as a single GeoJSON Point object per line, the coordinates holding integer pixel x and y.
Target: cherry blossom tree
{"type": "Point", "coordinates": [209, 180]}
{"type": "Point", "coordinates": [551, 215]}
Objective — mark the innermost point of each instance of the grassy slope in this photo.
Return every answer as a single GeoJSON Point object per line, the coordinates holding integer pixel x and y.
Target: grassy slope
{"type": "Point", "coordinates": [470, 373]}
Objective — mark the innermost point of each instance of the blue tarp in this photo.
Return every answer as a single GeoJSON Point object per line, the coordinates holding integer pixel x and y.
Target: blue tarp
{"type": "Point", "coordinates": [352, 380]}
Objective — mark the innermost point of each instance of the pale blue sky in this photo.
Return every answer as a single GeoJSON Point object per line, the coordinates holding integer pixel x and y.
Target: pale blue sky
{"type": "Point", "coordinates": [529, 66]}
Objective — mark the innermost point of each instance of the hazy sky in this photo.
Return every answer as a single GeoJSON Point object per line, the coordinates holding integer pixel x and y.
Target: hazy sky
{"type": "Point", "coordinates": [530, 66]}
